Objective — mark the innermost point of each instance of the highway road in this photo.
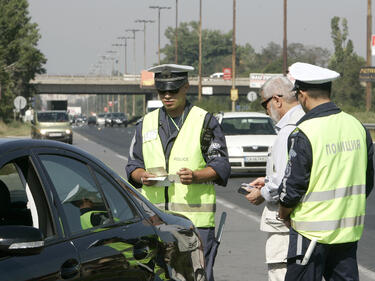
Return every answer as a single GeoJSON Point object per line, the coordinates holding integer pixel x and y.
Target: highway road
{"type": "Point", "coordinates": [241, 254]}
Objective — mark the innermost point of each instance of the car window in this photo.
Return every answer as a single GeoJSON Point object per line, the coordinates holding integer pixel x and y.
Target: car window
{"type": "Point", "coordinates": [121, 209]}
{"type": "Point", "coordinates": [53, 117]}
{"type": "Point", "coordinates": [22, 200]}
{"type": "Point", "coordinates": [82, 202]}
{"type": "Point", "coordinates": [248, 126]}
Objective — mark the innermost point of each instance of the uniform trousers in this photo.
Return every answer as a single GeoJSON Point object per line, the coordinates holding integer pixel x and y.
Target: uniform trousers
{"type": "Point", "coordinates": [207, 235]}
{"type": "Point", "coordinates": [334, 262]}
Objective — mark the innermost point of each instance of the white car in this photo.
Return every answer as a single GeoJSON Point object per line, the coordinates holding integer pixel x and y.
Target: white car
{"type": "Point", "coordinates": [100, 119]}
{"type": "Point", "coordinates": [249, 136]}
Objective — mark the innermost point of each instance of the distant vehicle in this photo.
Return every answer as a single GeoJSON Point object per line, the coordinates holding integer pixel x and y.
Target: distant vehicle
{"type": "Point", "coordinates": [91, 120]}
{"type": "Point", "coordinates": [53, 124]}
{"type": "Point", "coordinates": [100, 119]}
{"type": "Point", "coordinates": [57, 105]}
{"type": "Point", "coordinates": [153, 104]}
{"type": "Point", "coordinates": [249, 136]}
{"type": "Point", "coordinates": [66, 216]}
{"type": "Point", "coordinates": [119, 119]}
{"type": "Point", "coordinates": [217, 75]}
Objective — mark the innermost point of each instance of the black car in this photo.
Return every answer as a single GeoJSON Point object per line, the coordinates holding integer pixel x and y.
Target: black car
{"type": "Point", "coordinates": [116, 118]}
{"type": "Point", "coordinates": [91, 120]}
{"type": "Point", "coordinates": [66, 215]}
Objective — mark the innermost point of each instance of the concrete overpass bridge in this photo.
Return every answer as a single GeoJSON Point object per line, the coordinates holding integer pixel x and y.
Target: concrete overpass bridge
{"type": "Point", "coordinates": [127, 85]}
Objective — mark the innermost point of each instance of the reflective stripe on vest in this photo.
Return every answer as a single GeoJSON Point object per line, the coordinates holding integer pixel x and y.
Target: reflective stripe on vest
{"type": "Point", "coordinates": [333, 207]}
{"type": "Point", "coordinates": [153, 156]}
{"type": "Point", "coordinates": [195, 201]}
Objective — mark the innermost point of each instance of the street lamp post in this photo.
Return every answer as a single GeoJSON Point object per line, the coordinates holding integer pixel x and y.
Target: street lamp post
{"type": "Point", "coordinates": [285, 46]}
{"type": "Point", "coordinates": [125, 50]}
{"type": "Point", "coordinates": [234, 56]}
{"type": "Point", "coordinates": [134, 59]}
{"type": "Point", "coordinates": [175, 40]}
{"type": "Point", "coordinates": [368, 54]}
{"type": "Point", "coordinates": [159, 8]}
{"type": "Point", "coordinates": [200, 53]}
{"type": "Point", "coordinates": [144, 39]}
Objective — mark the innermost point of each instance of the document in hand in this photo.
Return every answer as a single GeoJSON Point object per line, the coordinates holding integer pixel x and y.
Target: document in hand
{"type": "Point", "coordinates": [162, 178]}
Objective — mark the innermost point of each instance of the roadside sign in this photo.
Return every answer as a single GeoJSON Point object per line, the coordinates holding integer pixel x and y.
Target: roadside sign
{"type": "Point", "coordinates": [258, 79]}
{"type": "Point", "coordinates": [227, 73]}
{"type": "Point", "coordinates": [252, 96]}
{"type": "Point", "coordinates": [373, 45]}
{"type": "Point", "coordinates": [234, 94]}
{"type": "Point", "coordinates": [147, 79]}
{"type": "Point", "coordinates": [110, 103]}
{"type": "Point", "coordinates": [367, 74]}
{"type": "Point", "coordinates": [207, 91]}
{"type": "Point", "coordinates": [19, 103]}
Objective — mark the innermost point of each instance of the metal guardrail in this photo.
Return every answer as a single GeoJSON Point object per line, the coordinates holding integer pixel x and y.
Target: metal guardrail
{"type": "Point", "coordinates": [370, 126]}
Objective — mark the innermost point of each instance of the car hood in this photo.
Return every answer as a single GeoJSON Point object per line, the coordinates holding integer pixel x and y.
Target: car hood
{"type": "Point", "coordinates": [246, 140]}
{"type": "Point", "coordinates": [53, 125]}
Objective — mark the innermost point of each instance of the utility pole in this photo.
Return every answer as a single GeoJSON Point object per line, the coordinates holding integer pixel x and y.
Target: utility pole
{"type": "Point", "coordinates": [369, 58]}
{"type": "Point", "coordinates": [285, 46]}
{"type": "Point", "coordinates": [159, 8]}
{"type": "Point", "coordinates": [134, 31]}
{"type": "Point", "coordinates": [233, 95]}
{"type": "Point", "coordinates": [125, 51]}
{"type": "Point", "coordinates": [200, 53]}
{"type": "Point", "coordinates": [176, 40]}
{"type": "Point", "coordinates": [144, 39]}
{"type": "Point", "coordinates": [134, 53]}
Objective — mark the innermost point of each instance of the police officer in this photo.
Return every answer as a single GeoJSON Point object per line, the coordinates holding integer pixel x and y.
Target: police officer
{"type": "Point", "coordinates": [328, 177]}
{"type": "Point", "coordinates": [174, 138]}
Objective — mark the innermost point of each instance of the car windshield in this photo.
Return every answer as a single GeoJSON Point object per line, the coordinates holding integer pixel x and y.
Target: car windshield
{"type": "Point", "coordinates": [117, 115]}
{"type": "Point", "coordinates": [53, 117]}
{"type": "Point", "coordinates": [248, 126]}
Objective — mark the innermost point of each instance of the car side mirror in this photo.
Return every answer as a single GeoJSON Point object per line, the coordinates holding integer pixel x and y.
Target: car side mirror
{"type": "Point", "coordinates": [21, 240]}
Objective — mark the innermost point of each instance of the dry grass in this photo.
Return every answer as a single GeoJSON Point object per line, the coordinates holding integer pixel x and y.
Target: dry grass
{"type": "Point", "coordinates": [14, 129]}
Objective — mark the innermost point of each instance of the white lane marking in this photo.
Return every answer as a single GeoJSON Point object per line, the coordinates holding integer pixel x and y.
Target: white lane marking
{"type": "Point", "coordinates": [122, 157]}
{"type": "Point", "coordinates": [255, 217]}
{"type": "Point", "coordinates": [251, 215]}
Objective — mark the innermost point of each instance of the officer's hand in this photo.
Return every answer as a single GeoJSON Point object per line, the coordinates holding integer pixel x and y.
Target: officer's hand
{"type": "Point", "coordinates": [255, 197]}
{"type": "Point", "coordinates": [258, 183]}
{"type": "Point", "coordinates": [144, 179]}
{"type": "Point", "coordinates": [186, 176]}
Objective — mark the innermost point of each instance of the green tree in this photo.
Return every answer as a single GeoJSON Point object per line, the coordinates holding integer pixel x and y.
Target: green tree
{"type": "Point", "coordinates": [347, 91]}
{"type": "Point", "coordinates": [20, 58]}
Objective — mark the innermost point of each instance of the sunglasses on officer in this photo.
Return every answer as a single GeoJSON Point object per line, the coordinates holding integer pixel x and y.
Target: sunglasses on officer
{"type": "Point", "coordinates": [172, 92]}
{"type": "Point", "coordinates": [264, 103]}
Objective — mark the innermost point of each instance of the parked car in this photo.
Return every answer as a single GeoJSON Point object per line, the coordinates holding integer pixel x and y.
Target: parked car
{"type": "Point", "coordinates": [217, 75]}
{"type": "Point", "coordinates": [249, 136]}
{"type": "Point", "coordinates": [53, 124]}
{"type": "Point", "coordinates": [100, 119]}
{"type": "Point", "coordinates": [66, 215]}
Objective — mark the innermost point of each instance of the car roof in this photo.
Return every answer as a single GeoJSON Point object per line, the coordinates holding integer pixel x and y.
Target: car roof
{"type": "Point", "coordinates": [243, 114]}
{"type": "Point", "coordinates": [12, 144]}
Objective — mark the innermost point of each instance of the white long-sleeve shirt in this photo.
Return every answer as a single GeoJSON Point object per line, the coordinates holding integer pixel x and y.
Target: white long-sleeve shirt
{"type": "Point", "coordinates": [276, 164]}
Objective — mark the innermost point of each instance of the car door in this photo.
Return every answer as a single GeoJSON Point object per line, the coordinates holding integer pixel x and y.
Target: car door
{"type": "Point", "coordinates": [26, 202]}
{"type": "Point", "coordinates": [112, 238]}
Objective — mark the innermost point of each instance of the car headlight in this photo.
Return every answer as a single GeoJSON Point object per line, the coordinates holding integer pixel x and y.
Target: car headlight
{"type": "Point", "coordinates": [68, 132]}
{"type": "Point", "coordinates": [234, 150]}
{"type": "Point", "coordinates": [43, 131]}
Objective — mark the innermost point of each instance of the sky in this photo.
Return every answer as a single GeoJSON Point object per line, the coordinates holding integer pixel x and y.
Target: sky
{"type": "Point", "coordinates": [75, 34]}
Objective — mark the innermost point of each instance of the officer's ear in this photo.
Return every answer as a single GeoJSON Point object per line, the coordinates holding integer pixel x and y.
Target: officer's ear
{"type": "Point", "coordinates": [278, 101]}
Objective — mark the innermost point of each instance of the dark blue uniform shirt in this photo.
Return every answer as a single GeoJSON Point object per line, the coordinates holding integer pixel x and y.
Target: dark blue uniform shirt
{"type": "Point", "coordinates": [216, 156]}
{"type": "Point", "coordinates": [297, 174]}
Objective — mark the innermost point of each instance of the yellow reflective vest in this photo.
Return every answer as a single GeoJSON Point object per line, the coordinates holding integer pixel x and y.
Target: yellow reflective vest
{"type": "Point", "coordinates": [195, 201]}
{"type": "Point", "coordinates": [333, 208]}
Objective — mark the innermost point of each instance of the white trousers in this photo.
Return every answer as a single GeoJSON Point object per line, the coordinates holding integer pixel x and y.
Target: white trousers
{"type": "Point", "coordinates": [276, 253]}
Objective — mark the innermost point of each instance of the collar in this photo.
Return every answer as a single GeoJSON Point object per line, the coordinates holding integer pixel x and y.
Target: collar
{"type": "Point", "coordinates": [321, 110]}
{"type": "Point", "coordinates": [289, 117]}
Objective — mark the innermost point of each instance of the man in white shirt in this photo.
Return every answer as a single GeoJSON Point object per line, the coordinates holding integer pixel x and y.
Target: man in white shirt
{"type": "Point", "coordinates": [280, 103]}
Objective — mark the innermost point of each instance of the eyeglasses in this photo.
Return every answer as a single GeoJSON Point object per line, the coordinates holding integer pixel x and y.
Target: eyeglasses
{"type": "Point", "coordinates": [264, 104]}
{"type": "Point", "coordinates": [172, 92]}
